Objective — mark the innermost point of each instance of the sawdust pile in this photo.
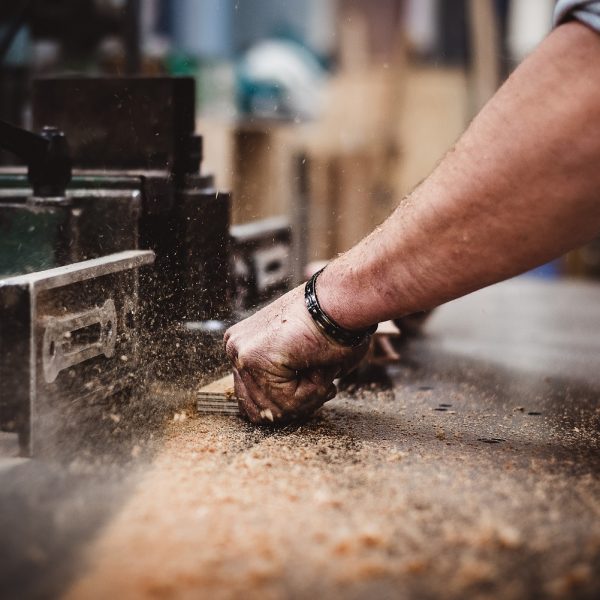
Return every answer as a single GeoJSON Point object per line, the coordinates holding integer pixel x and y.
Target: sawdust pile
{"type": "Point", "coordinates": [382, 495]}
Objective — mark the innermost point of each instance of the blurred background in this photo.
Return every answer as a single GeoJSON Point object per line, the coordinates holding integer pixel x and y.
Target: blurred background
{"type": "Point", "coordinates": [325, 112]}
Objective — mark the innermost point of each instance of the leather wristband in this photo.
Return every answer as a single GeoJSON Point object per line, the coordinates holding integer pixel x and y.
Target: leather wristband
{"type": "Point", "coordinates": [335, 332]}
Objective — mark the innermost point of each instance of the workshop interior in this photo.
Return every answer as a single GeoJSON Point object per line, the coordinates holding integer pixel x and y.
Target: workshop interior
{"type": "Point", "coordinates": [169, 167]}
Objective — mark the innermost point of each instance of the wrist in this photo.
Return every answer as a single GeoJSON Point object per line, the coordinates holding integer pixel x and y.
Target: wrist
{"type": "Point", "coordinates": [328, 325]}
{"type": "Point", "coordinates": [336, 300]}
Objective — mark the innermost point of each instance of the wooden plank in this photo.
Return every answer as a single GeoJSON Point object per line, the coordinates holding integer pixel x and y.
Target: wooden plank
{"type": "Point", "coordinates": [221, 387]}
{"type": "Point", "coordinates": [218, 397]}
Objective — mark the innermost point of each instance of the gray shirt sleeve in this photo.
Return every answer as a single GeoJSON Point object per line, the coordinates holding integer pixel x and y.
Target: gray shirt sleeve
{"type": "Point", "coordinates": [586, 11]}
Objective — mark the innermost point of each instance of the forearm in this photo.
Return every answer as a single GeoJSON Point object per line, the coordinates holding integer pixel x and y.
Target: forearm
{"type": "Point", "coordinates": [520, 187]}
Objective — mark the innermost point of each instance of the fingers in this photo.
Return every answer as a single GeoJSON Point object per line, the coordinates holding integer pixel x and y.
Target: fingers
{"type": "Point", "coordinates": [247, 408]}
{"type": "Point", "coordinates": [262, 397]}
{"type": "Point", "coordinates": [312, 391]}
{"type": "Point", "coordinates": [311, 397]}
{"type": "Point", "coordinates": [252, 401]}
{"type": "Point", "coordinates": [294, 400]}
{"type": "Point", "coordinates": [253, 404]}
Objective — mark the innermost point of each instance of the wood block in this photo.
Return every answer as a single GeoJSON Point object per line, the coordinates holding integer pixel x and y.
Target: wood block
{"type": "Point", "coordinates": [218, 397]}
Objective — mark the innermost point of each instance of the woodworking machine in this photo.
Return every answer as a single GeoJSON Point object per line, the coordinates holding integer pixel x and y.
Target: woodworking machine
{"type": "Point", "coordinates": [116, 253]}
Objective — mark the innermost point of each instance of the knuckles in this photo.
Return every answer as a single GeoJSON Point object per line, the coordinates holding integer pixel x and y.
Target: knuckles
{"type": "Point", "coordinates": [230, 350]}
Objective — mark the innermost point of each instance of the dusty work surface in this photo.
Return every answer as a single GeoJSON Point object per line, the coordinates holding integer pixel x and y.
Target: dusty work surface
{"type": "Point", "coordinates": [475, 475]}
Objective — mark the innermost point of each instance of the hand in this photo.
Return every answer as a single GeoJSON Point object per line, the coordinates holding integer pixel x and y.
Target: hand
{"type": "Point", "coordinates": [283, 366]}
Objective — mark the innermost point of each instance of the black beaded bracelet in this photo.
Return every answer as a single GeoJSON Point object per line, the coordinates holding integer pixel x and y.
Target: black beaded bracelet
{"type": "Point", "coordinates": [335, 332]}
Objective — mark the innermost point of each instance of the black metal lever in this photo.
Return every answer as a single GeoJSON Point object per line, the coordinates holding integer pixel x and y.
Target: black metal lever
{"type": "Point", "coordinates": [46, 155]}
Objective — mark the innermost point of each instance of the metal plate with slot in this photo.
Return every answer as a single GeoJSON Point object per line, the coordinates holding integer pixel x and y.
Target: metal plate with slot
{"type": "Point", "coordinates": [68, 339]}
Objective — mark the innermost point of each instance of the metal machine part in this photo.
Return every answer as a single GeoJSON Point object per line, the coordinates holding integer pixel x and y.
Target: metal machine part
{"type": "Point", "coordinates": [68, 337]}
{"type": "Point", "coordinates": [88, 222]}
{"type": "Point", "coordinates": [145, 128]}
{"type": "Point", "coordinates": [46, 155]}
{"type": "Point", "coordinates": [260, 262]}
{"type": "Point", "coordinates": [135, 183]}
{"type": "Point", "coordinates": [145, 123]}
{"type": "Point", "coordinates": [71, 340]}
{"type": "Point", "coordinates": [190, 281]}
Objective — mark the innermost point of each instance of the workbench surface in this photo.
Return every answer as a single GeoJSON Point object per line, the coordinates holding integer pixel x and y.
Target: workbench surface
{"type": "Point", "coordinates": [472, 472]}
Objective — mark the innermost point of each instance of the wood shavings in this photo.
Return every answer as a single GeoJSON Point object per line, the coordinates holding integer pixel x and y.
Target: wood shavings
{"type": "Point", "coordinates": [366, 501]}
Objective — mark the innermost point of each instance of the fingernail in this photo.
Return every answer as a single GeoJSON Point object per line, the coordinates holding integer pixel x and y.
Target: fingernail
{"type": "Point", "coordinates": [267, 414]}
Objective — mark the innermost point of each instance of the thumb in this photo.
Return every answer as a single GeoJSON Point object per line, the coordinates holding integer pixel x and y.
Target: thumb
{"type": "Point", "coordinates": [314, 389]}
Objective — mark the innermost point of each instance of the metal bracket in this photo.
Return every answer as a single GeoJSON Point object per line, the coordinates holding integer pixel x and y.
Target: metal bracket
{"type": "Point", "coordinates": [261, 262]}
{"type": "Point", "coordinates": [69, 341]}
